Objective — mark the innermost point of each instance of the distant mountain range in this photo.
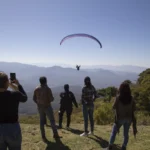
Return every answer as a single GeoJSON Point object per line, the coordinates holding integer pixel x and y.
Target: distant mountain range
{"type": "Point", "coordinates": [124, 68]}
{"type": "Point", "coordinates": [57, 76]}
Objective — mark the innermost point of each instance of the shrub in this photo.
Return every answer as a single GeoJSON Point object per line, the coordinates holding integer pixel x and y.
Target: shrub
{"type": "Point", "coordinates": [104, 114]}
{"type": "Point", "coordinates": [143, 118]}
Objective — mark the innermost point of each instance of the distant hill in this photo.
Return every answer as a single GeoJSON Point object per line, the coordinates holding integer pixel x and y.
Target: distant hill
{"type": "Point", "coordinates": [124, 68]}
{"type": "Point", "coordinates": [121, 68]}
{"type": "Point", "coordinates": [57, 76]}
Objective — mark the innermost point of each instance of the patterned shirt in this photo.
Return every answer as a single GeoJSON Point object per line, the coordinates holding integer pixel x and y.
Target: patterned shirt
{"type": "Point", "coordinates": [88, 94]}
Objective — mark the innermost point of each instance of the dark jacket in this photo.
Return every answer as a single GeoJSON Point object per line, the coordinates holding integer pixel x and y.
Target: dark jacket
{"type": "Point", "coordinates": [67, 100]}
{"type": "Point", "coordinates": [9, 104]}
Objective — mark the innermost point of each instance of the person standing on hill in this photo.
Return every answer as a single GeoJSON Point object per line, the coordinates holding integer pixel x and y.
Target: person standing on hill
{"type": "Point", "coordinates": [67, 99]}
{"type": "Point", "coordinates": [10, 131]}
{"type": "Point", "coordinates": [43, 97]}
{"type": "Point", "coordinates": [89, 95]}
{"type": "Point", "coordinates": [124, 107]}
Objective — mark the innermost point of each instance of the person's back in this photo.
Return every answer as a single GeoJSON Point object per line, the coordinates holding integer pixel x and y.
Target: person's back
{"type": "Point", "coordinates": [66, 105]}
{"type": "Point", "coordinates": [124, 112]}
{"type": "Point", "coordinates": [88, 93]}
{"type": "Point", "coordinates": [66, 99]}
{"type": "Point", "coordinates": [9, 103]}
{"type": "Point", "coordinates": [124, 107]}
{"type": "Point", "coordinates": [43, 95]}
{"type": "Point", "coordinates": [88, 97]}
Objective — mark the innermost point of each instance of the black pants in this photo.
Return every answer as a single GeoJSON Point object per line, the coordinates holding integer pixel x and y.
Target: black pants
{"type": "Point", "coordinates": [68, 113]}
{"type": "Point", "coordinates": [45, 121]}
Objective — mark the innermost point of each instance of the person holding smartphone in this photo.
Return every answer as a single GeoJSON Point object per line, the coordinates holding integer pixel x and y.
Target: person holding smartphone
{"type": "Point", "coordinates": [10, 131]}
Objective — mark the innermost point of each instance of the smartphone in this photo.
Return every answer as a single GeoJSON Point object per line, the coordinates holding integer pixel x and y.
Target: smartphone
{"type": "Point", "coordinates": [12, 76]}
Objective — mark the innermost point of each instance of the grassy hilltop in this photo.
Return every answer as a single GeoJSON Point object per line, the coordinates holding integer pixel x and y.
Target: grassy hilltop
{"type": "Point", "coordinates": [72, 141]}
{"type": "Point", "coordinates": [104, 118]}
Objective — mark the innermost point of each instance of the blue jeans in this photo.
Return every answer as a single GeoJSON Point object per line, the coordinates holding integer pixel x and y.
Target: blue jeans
{"type": "Point", "coordinates": [88, 113]}
{"type": "Point", "coordinates": [49, 112]}
{"type": "Point", "coordinates": [10, 136]}
{"type": "Point", "coordinates": [126, 124]}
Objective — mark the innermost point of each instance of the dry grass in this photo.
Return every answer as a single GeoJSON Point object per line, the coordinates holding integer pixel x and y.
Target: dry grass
{"type": "Point", "coordinates": [72, 141]}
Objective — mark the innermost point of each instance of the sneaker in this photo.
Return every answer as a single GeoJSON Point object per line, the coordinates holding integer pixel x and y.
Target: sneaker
{"type": "Point", "coordinates": [84, 134]}
{"type": "Point", "coordinates": [91, 133]}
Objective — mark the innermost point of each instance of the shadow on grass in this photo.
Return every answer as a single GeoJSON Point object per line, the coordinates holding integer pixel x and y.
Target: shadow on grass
{"type": "Point", "coordinates": [58, 145]}
{"type": "Point", "coordinates": [48, 125]}
{"type": "Point", "coordinates": [103, 143]}
{"type": "Point", "coordinates": [76, 131]}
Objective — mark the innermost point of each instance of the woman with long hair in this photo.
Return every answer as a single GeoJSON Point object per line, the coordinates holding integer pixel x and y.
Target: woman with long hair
{"type": "Point", "coordinates": [124, 107]}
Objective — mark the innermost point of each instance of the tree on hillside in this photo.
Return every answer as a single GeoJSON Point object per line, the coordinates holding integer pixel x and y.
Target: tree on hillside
{"type": "Point", "coordinates": [108, 92]}
{"type": "Point", "coordinates": [141, 91]}
{"type": "Point", "coordinates": [144, 77]}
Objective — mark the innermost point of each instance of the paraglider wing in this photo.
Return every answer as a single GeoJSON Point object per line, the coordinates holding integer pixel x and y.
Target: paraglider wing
{"type": "Point", "coordinates": [81, 35]}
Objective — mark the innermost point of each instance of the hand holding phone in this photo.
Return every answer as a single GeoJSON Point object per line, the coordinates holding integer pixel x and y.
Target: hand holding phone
{"type": "Point", "coordinates": [12, 77]}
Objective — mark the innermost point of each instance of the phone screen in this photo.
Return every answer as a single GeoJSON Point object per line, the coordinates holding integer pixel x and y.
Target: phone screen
{"type": "Point", "coordinates": [12, 76]}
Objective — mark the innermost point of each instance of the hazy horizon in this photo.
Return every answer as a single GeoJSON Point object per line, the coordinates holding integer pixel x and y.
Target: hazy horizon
{"type": "Point", "coordinates": [117, 68]}
{"type": "Point", "coordinates": [51, 64]}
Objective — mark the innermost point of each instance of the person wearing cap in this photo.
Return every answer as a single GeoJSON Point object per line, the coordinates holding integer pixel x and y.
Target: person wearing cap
{"type": "Point", "coordinates": [43, 97]}
{"type": "Point", "coordinates": [66, 105]}
{"type": "Point", "coordinates": [89, 95]}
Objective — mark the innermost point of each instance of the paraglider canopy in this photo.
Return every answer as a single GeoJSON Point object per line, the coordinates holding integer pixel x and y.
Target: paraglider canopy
{"type": "Point", "coordinates": [81, 35]}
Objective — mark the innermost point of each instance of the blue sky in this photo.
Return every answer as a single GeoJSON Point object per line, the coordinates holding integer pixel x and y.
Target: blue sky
{"type": "Point", "coordinates": [31, 30]}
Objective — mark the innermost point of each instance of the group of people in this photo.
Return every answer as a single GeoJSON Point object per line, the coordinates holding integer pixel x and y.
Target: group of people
{"type": "Point", "coordinates": [43, 97]}
{"type": "Point", "coordinates": [10, 131]}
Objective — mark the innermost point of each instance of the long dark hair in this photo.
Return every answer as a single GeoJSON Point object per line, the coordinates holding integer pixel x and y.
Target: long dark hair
{"type": "Point", "coordinates": [125, 93]}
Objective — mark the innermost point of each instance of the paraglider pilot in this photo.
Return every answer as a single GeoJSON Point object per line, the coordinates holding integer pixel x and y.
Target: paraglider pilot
{"type": "Point", "coordinates": [78, 67]}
